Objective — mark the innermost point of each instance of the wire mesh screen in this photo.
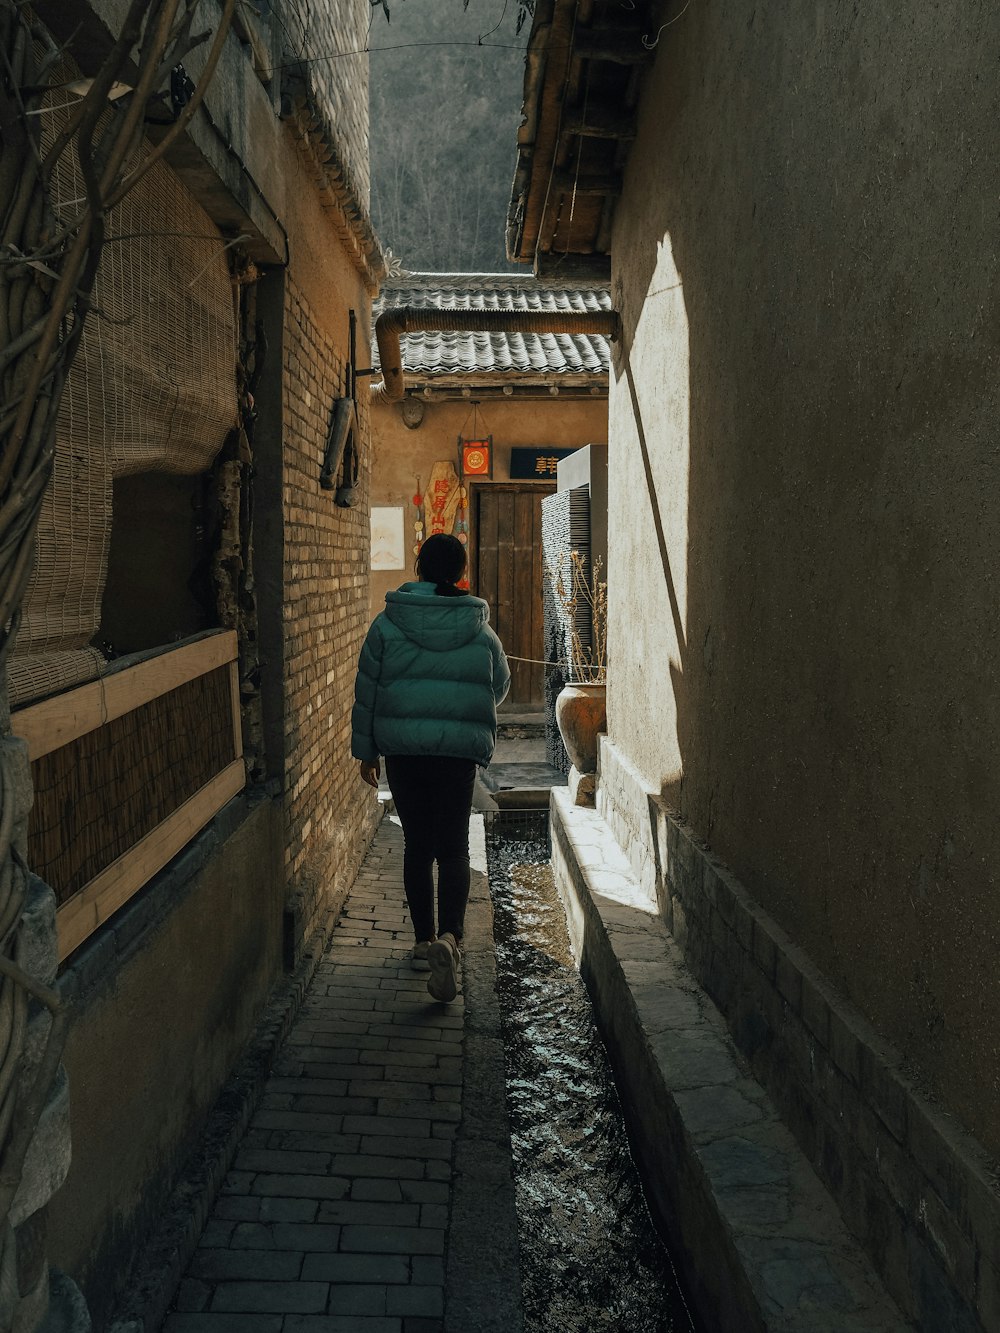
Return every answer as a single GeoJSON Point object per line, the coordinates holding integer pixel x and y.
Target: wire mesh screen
{"type": "Point", "coordinates": [518, 826]}
{"type": "Point", "coordinates": [152, 389]}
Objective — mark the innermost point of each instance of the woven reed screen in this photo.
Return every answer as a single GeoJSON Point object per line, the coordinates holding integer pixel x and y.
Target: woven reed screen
{"type": "Point", "coordinates": [98, 795]}
{"type": "Point", "coordinates": [152, 389]}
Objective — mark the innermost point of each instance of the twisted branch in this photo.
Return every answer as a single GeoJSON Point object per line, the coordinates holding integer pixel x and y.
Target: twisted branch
{"type": "Point", "coordinates": [45, 299]}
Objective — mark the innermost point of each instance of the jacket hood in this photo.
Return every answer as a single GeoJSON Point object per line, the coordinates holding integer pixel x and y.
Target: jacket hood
{"type": "Point", "coordinates": [438, 623]}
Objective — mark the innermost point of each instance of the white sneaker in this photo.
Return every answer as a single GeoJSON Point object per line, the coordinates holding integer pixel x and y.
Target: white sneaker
{"type": "Point", "coordinates": [442, 955]}
{"type": "Point", "coordinates": [418, 956]}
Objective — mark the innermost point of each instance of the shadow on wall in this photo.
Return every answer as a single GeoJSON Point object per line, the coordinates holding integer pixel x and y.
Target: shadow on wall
{"type": "Point", "coordinates": [835, 722]}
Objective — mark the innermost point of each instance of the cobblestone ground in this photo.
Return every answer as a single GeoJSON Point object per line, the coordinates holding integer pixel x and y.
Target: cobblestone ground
{"type": "Point", "coordinates": [335, 1215]}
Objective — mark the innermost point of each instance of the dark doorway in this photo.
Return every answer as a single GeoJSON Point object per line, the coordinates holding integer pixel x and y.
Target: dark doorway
{"type": "Point", "coordinates": [507, 572]}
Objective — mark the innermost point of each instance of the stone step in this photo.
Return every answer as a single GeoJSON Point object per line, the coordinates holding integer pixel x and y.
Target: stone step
{"type": "Point", "coordinates": [763, 1244]}
{"type": "Point", "coordinates": [520, 731]}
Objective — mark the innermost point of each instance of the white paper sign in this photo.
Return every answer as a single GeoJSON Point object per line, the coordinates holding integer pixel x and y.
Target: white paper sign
{"type": "Point", "coordinates": [388, 538]}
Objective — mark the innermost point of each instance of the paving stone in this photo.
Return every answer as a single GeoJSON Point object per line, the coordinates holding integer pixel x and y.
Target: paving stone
{"type": "Point", "coordinates": [222, 1323]}
{"type": "Point", "coordinates": [385, 1123]}
{"type": "Point", "coordinates": [395, 1168]}
{"type": "Point", "coordinates": [343, 1324]}
{"type": "Point", "coordinates": [415, 1045]}
{"type": "Point", "coordinates": [265, 1297]}
{"type": "Point", "coordinates": [425, 1147]}
{"type": "Point", "coordinates": [237, 1182]}
{"type": "Point", "coordinates": [434, 1215]}
{"type": "Point", "coordinates": [382, 1088]}
{"type": "Point", "coordinates": [348, 1041]}
{"type": "Point", "coordinates": [399, 1057]}
{"type": "Point", "coordinates": [424, 1191]}
{"type": "Point", "coordinates": [297, 1140]}
{"type": "Point", "coordinates": [391, 1240]}
{"type": "Point", "coordinates": [323, 1124]}
{"type": "Point", "coordinates": [371, 1268]}
{"type": "Point", "coordinates": [303, 1187]}
{"type": "Point", "coordinates": [299, 1163]}
{"type": "Point", "coordinates": [342, 1180]}
{"type": "Point", "coordinates": [359, 1212]}
{"type": "Point", "coordinates": [334, 1105]}
{"type": "Point", "coordinates": [238, 1264]}
{"type": "Point", "coordinates": [217, 1233]}
{"type": "Point", "coordinates": [367, 1300]}
{"type": "Point", "coordinates": [347, 1073]}
{"type": "Point", "coordinates": [236, 1208]}
{"type": "Point", "coordinates": [253, 1236]}
{"type": "Point", "coordinates": [415, 1301]}
{"type": "Point", "coordinates": [418, 1109]}
{"type": "Point", "coordinates": [386, 1191]}
{"type": "Point", "coordinates": [288, 1210]}
{"type": "Point", "coordinates": [431, 1074]}
{"type": "Point", "coordinates": [427, 1270]}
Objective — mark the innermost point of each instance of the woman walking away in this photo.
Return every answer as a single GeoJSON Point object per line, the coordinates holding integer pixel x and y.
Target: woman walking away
{"type": "Point", "coordinates": [430, 676]}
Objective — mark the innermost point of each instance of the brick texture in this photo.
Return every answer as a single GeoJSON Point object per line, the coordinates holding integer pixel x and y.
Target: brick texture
{"type": "Point", "coordinates": [330, 815]}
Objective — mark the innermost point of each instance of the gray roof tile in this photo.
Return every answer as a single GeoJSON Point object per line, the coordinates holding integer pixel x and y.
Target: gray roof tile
{"type": "Point", "coordinates": [438, 354]}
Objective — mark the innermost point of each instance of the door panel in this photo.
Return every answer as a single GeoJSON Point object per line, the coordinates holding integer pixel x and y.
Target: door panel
{"type": "Point", "coordinates": [507, 573]}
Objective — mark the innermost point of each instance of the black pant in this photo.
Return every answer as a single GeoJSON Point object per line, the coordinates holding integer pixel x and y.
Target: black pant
{"type": "Point", "coordinates": [433, 798]}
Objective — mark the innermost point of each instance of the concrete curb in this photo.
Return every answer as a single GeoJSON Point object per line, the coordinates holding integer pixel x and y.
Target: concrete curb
{"type": "Point", "coordinates": [762, 1244]}
{"type": "Point", "coordinates": [157, 1273]}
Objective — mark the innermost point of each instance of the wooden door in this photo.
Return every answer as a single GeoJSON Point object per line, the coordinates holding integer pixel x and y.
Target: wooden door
{"type": "Point", "coordinates": [507, 573]}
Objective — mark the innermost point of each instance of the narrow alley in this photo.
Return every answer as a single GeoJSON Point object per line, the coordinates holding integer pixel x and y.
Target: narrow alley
{"type": "Point", "coordinates": [571, 422]}
{"type": "Point", "coordinates": [338, 1201]}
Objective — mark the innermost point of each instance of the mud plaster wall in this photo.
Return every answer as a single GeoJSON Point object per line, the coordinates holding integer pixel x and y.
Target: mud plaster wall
{"type": "Point", "coordinates": [805, 665]}
{"type": "Point", "coordinates": [210, 966]}
{"type": "Point", "coordinates": [401, 454]}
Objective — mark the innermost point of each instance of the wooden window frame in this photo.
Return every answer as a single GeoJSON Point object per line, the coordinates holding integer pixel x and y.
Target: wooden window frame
{"type": "Point", "coordinates": [55, 722]}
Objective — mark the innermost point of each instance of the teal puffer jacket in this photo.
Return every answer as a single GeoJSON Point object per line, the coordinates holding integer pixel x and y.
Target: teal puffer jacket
{"type": "Point", "coordinates": [430, 676]}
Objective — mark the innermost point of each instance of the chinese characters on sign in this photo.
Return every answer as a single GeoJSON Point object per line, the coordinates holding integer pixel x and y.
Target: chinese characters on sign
{"type": "Point", "coordinates": [536, 463]}
{"type": "Point", "coordinates": [442, 498]}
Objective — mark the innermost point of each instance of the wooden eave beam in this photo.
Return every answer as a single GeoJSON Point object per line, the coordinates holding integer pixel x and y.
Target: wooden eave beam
{"type": "Point", "coordinates": [567, 183]}
{"type": "Point", "coordinates": [573, 267]}
{"type": "Point", "coordinates": [613, 45]}
{"type": "Point", "coordinates": [600, 122]}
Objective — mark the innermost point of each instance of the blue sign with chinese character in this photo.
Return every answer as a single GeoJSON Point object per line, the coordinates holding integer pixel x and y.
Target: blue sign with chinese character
{"type": "Point", "coordinates": [536, 463]}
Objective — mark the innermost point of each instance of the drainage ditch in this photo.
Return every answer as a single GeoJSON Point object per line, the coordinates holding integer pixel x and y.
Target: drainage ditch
{"type": "Point", "coordinates": [591, 1259]}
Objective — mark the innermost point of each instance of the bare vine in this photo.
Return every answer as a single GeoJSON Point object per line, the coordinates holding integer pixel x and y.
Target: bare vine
{"type": "Point", "coordinates": [586, 592]}
{"type": "Point", "coordinates": [48, 266]}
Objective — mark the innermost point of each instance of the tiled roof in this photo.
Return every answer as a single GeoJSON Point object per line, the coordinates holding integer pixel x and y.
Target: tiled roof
{"type": "Point", "coordinates": [513, 355]}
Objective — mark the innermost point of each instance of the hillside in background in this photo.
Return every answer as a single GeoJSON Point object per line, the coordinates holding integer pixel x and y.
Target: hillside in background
{"type": "Point", "coordinates": [444, 120]}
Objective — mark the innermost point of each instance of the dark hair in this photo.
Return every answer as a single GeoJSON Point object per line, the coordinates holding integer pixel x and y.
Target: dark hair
{"type": "Point", "coordinates": [442, 560]}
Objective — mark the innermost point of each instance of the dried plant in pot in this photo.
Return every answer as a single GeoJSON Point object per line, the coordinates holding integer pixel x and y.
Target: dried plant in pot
{"type": "Point", "coordinates": [580, 707]}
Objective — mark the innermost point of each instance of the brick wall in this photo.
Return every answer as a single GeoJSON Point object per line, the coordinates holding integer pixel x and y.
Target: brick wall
{"type": "Point", "coordinates": [330, 814]}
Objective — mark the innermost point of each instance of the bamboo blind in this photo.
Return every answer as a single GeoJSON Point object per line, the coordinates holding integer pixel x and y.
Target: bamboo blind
{"type": "Point", "coordinates": [152, 389]}
{"type": "Point", "coordinates": [99, 795]}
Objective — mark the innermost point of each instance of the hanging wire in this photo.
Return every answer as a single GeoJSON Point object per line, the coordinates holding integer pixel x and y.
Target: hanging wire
{"type": "Point", "coordinates": [651, 45]}
{"type": "Point", "coordinates": [492, 30]}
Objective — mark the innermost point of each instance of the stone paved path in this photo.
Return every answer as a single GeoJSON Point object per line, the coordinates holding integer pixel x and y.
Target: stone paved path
{"type": "Point", "coordinates": [334, 1218]}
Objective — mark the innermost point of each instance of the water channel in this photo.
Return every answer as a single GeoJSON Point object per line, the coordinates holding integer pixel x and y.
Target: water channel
{"type": "Point", "coordinates": [591, 1259]}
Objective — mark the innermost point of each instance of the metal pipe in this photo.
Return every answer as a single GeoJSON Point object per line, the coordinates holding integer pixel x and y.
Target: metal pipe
{"type": "Point", "coordinates": [391, 324]}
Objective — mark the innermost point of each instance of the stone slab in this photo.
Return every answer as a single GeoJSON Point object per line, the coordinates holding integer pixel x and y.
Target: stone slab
{"type": "Point", "coordinates": [761, 1242]}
